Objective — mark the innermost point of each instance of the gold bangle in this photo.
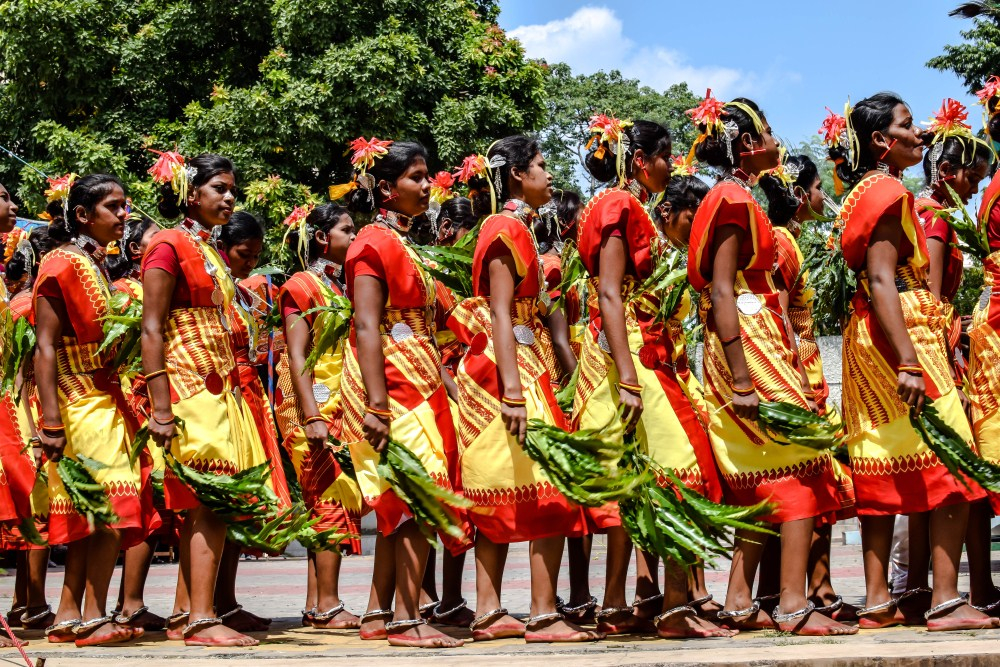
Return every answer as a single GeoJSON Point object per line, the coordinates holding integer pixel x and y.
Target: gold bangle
{"type": "Point", "coordinates": [744, 392]}
{"type": "Point", "coordinates": [378, 412]}
{"type": "Point", "coordinates": [631, 388]}
{"type": "Point", "coordinates": [313, 419]}
{"type": "Point", "coordinates": [514, 402]}
{"type": "Point", "coordinates": [913, 370]}
{"type": "Point", "coordinates": [155, 374]}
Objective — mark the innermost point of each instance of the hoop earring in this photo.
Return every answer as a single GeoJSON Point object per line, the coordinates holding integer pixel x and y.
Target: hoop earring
{"type": "Point", "coordinates": [889, 148]}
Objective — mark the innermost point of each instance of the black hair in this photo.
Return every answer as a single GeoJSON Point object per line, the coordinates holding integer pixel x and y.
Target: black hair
{"type": "Point", "coordinates": [712, 151]}
{"type": "Point", "coordinates": [784, 201]}
{"type": "Point", "coordinates": [960, 153]}
{"type": "Point", "coordinates": [18, 265]}
{"type": "Point", "coordinates": [120, 265]}
{"type": "Point", "coordinates": [459, 211]}
{"type": "Point", "coordinates": [993, 124]}
{"type": "Point", "coordinates": [870, 115]}
{"type": "Point", "coordinates": [652, 138]}
{"type": "Point", "coordinates": [242, 227]}
{"type": "Point", "coordinates": [685, 193]}
{"type": "Point", "coordinates": [207, 166]}
{"type": "Point", "coordinates": [546, 229]}
{"type": "Point", "coordinates": [321, 219]}
{"type": "Point", "coordinates": [388, 168]}
{"type": "Point", "coordinates": [568, 205]}
{"type": "Point", "coordinates": [517, 151]}
{"type": "Point", "coordinates": [86, 192]}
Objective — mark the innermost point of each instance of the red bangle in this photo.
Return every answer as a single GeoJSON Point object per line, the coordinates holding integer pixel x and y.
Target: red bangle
{"type": "Point", "coordinates": [45, 427]}
{"type": "Point", "coordinates": [381, 414]}
{"type": "Point", "coordinates": [514, 402]}
{"type": "Point", "coordinates": [744, 392]}
{"type": "Point", "coordinates": [727, 341]}
{"type": "Point", "coordinates": [313, 419]}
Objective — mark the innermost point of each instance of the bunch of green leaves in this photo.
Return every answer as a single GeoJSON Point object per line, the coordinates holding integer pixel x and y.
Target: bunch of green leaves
{"type": "Point", "coordinates": [971, 239]}
{"type": "Point", "coordinates": [452, 265]}
{"type": "Point", "coordinates": [29, 531]}
{"type": "Point", "coordinates": [123, 326]}
{"type": "Point", "coordinates": [321, 540]}
{"type": "Point", "coordinates": [668, 281]}
{"type": "Point", "coordinates": [342, 455]}
{"type": "Point", "coordinates": [676, 523]}
{"type": "Point", "coordinates": [953, 450]}
{"type": "Point", "coordinates": [832, 281]}
{"type": "Point", "coordinates": [574, 274]}
{"type": "Point", "coordinates": [16, 347]}
{"type": "Point", "coordinates": [788, 424]}
{"type": "Point", "coordinates": [332, 324]}
{"type": "Point", "coordinates": [85, 494]}
{"type": "Point", "coordinates": [433, 506]}
{"type": "Point", "coordinates": [584, 466]}
{"type": "Point", "coordinates": [567, 394]}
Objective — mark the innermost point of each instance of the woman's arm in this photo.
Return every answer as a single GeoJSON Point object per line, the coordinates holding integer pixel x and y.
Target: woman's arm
{"type": "Point", "coordinates": [609, 299]}
{"type": "Point", "coordinates": [784, 301]}
{"type": "Point", "coordinates": [725, 253]}
{"type": "Point", "coordinates": [297, 339]}
{"type": "Point", "coordinates": [936, 253]}
{"type": "Point", "coordinates": [557, 324]}
{"type": "Point", "coordinates": [503, 274]}
{"type": "Point", "coordinates": [369, 307]}
{"type": "Point", "coordinates": [50, 320]}
{"type": "Point", "coordinates": [881, 267]}
{"type": "Point", "coordinates": [158, 291]}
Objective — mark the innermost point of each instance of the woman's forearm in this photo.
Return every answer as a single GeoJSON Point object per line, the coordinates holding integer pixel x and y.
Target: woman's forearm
{"type": "Point", "coordinates": [613, 322]}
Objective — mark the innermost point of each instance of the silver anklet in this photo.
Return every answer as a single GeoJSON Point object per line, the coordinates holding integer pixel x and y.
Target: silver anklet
{"type": "Point", "coordinates": [778, 617]}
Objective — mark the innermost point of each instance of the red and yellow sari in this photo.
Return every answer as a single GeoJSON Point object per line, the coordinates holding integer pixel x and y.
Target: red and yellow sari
{"type": "Point", "coordinates": [983, 375]}
{"type": "Point", "coordinates": [894, 471]}
{"type": "Point", "coordinates": [99, 424]}
{"type": "Point", "coordinates": [670, 429]}
{"type": "Point", "coordinates": [330, 495]}
{"type": "Point", "coordinates": [799, 481]}
{"type": "Point", "coordinates": [421, 416]}
{"type": "Point", "coordinates": [515, 501]}
{"type": "Point", "coordinates": [218, 428]}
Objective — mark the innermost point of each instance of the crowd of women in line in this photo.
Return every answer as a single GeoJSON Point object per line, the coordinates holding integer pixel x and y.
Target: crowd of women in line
{"type": "Point", "coordinates": [227, 382]}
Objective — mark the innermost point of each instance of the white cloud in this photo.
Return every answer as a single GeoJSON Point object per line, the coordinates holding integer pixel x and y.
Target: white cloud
{"type": "Point", "coordinates": [593, 39]}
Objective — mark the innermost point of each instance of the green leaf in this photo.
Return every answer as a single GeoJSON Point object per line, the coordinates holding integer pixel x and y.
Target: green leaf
{"type": "Point", "coordinates": [87, 496]}
{"type": "Point", "coordinates": [786, 424]}
{"type": "Point", "coordinates": [332, 324]}
{"type": "Point", "coordinates": [954, 451]}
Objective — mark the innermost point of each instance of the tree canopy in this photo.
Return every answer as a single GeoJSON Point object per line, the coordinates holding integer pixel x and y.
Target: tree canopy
{"type": "Point", "coordinates": [978, 57]}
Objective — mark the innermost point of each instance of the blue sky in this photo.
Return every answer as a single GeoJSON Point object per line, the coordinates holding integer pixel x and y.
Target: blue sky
{"type": "Point", "coordinates": [792, 58]}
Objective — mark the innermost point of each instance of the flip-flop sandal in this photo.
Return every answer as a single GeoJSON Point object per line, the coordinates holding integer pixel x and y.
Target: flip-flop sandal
{"type": "Point", "coordinates": [838, 611]}
{"type": "Point", "coordinates": [427, 610]}
{"type": "Point", "coordinates": [87, 628]}
{"type": "Point", "coordinates": [129, 621]}
{"type": "Point", "coordinates": [176, 633]}
{"type": "Point", "coordinates": [794, 622]}
{"type": "Point", "coordinates": [61, 633]}
{"type": "Point", "coordinates": [322, 618]}
{"type": "Point", "coordinates": [697, 604]}
{"type": "Point", "coordinates": [634, 626]}
{"type": "Point", "coordinates": [37, 621]}
{"type": "Point", "coordinates": [942, 625]}
{"type": "Point", "coordinates": [534, 637]}
{"type": "Point", "coordinates": [866, 623]}
{"type": "Point", "coordinates": [191, 628]}
{"type": "Point", "coordinates": [688, 610]}
{"type": "Point", "coordinates": [495, 631]}
{"type": "Point", "coordinates": [580, 614]}
{"type": "Point", "coordinates": [394, 634]}
{"type": "Point", "coordinates": [730, 619]}
{"type": "Point", "coordinates": [377, 634]}
{"type": "Point", "coordinates": [307, 616]}
{"type": "Point", "coordinates": [441, 617]}
{"type": "Point", "coordinates": [15, 614]}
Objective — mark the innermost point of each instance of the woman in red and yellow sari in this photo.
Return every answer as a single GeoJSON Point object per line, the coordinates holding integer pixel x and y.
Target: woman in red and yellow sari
{"type": "Point", "coordinates": [982, 378]}
{"type": "Point", "coordinates": [749, 357]}
{"type": "Point", "coordinates": [628, 362]}
{"type": "Point", "coordinates": [191, 375]}
{"type": "Point", "coordinates": [895, 358]}
{"type": "Point", "coordinates": [84, 416]}
{"type": "Point", "coordinates": [504, 381]}
{"type": "Point", "coordinates": [309, 407]}
{"type": "Point", "coordinates": [392, 382]}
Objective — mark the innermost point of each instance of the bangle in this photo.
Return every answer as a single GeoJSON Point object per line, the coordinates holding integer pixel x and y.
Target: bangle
{"type": "Point", "coordinates": [155, 374]}
{"type": "Point", "coordinates": [514, 402]}
{"type": "Point", "coordinates": [35, 441]}
{"type": "Point", "coordinates": [744, 392]}
{"type": "Point", "coordinates": [731, 339]}
{"type": "Point", "coordinates": [44, 428]}
{"type": "Point", "coordinates": [912, 370]}
{"type": "Point", "coordinates": [380, 413]}
{"type": "Point", "coordinates": [169, 422]}
{"type": "Point", "coordinates": [631, 388]}
{"type": "Point", "coordinates": [313, 419]}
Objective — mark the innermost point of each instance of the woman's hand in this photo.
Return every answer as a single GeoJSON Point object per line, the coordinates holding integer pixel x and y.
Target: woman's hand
{"type": "Point", "coordinates": [745, 407]}
{"type": "Point", "coordinates": [911, 390]}
{"type": "Point", "coordinates": [376, 431]}
{"type": "Point", "coordinates": [53, 447]}
{"type": "Point", "coordinates": [515, 419]}
{"type": "Point", "coordinates": [162, 429]}
{"type": "Point", "coordinates": [966, 403]}
{"type": "Point", "coordinates": [317, 434]}
{"type": "Point", "coordinates": [632, 408]}
{"type": "Point", "coordinates": [811, 399]}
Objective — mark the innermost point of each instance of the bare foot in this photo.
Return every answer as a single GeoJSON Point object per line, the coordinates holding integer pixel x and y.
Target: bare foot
{"type": "Point", "coordinates": [422, 635]}
{"type": "Point", "coordinates": [623, 621]}
{"type": "Point", "coordinates": [558, 630]}
{"type": "Point", "coordinates": [144, 620]}
{"type": "Point", "coordinates": [37, 618]}
{"type": "Point", "coordinates": [881, 619]}
{"type": "Point", "coordinates": [108, 633]}
{"type": "Point", "coordinates": [688, 625]}
{"type": "Point", "coordinates": [581, 613]}
{"type": "Point", "coordinates": [457, 615]}
{"type": "Point", "coordinates": [988, 602]}
{"type": "Point", "coordinates": [502, 626]}
{"type": "Point", "coordinates": [708, 609]}
{"type": "Point", "coordinates": [241, 620]}
{"type": "Point", "coordinates": [373, 624]}
{"type": "Point", "coordinates": [962, 617]}
{"type": "Point", "coordinates": [913, 604]}
{"type": "Point", "coordinates": [814, 624]}
{"type": "Point", "coordinates": [216, 635]}
{"type": "Point", "coordinates": [62, 632]}
{"type": "Point", "coordinates": [755, 618]}
{"type": "Point", "coordinates": [5, 641]}
{"type": "Point", "coordinates": [14, 617]}
{"type": "Point", "coordinates": [175, 626]}
{"type": "Point", "coordinates": [833, 606]}
{"type": "Point", "coordinates": [340, 619]}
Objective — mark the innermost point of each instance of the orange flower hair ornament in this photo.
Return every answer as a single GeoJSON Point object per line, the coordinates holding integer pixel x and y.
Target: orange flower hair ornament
{"type": "Point", "coordinates": [473, 166]}
{"type": "Point", "coordinates": [58, 190]}
{"type": "Point", "coordinates": [710, 117]}
{"type": "Point", "coordinates": [989, 92]}
{"type": "Point", "coordinates": [609, 134]}
{"type": "Point", "coordinates": [949, 121]}
{"type": "Point", "coordinates": [364, 153]}
{"type": "Point", "coordinates": [833, 128]}
{"type": "Point", "coordinates": [15, 242]}
{"type": "Point", "coordinates": [441, 185]}
{"type": "Point", "coordinates": [679, 166]}
{"type": "Point", "coordinates": [296, 221]}
{"type": "Point", "coordinates": [784, 172]}
{"type": "Point", "coordinates": [170, 168]}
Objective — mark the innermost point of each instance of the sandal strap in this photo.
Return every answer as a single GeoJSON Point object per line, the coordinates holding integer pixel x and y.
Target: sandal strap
{"type": "Point", "coordinates": [945, 606]}
{"type": "Point", "coordinates": [911, 593]}
{"type": "Point", "coordinates": [488, 616]}
{"type": "Point", "coordinates": [837, 603]}
{"type": "Point", "coordinates": [779, 617]}
{"type": "Point", "coordinates": [682, 609]}
{"type": "Point", "coordinates": [440, 615]}
{"type": "Point", "coordinates": [985, 608]}
{"type": "Point", "coordinates": [378, 613]}
{"type": "Point", "coordinates": [121, 619]}
{"type": "Point", "coordinates": [740, 613]}
{"type": "Point", "coordinates": [92, 624]}
{"type": "Point", "coordinates": [767, 598]}
{"type": "Point", "coordinates": [586, 606]}
{"type": "Point", "coordinates": [652, 598]}
{"type": "Point", "coordinates": [888, 604]}
{"type": "Point", "coordinates": [200, 623]}
{"type": "Point", "coordinates": [405, 624]}
{"type": "Point", "coordinates": [232, 612]}
{"type": "Point", "coordinates": [429, 607]}
{"type": "Point", "coordinates": [329, 613]}
{"type": "Point", "coordinates": [611, 611]}
{"type": "Point", "coordinates": [308, 612]}
{"type": "Point", "coordinates": [173, 618]}
{"type": "Point", "coordinates": [551, 616]}
{"type": "Point", "coordinates": [702, 600]}
{"type": "Point", "coordinates": [63, 625]}
{"type": "Point", "coordinates": [35, 617]}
